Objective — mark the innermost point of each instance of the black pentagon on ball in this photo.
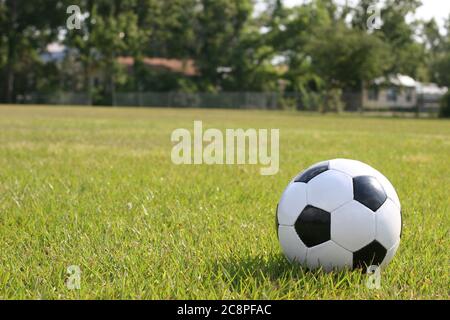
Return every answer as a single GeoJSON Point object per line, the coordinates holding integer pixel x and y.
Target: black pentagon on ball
{"type": "Point", "coordinates": [371, 254]}
{"type": "Point", "coordinates": [369, 191]}
{"type": "Point", "coordinates": [313, 226]}
{"type": "Point", "coordinates": [312, 172]}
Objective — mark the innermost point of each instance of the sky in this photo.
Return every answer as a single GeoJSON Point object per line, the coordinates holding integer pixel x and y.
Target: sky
{"type": "Point", "coordinates": [438, 9]}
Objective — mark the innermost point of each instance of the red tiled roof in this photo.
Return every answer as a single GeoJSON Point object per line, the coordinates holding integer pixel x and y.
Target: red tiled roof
{"type": "Point", "coordinates": [186, 67]}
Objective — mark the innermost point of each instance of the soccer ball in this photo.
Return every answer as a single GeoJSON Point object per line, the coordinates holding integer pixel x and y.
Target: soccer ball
{"type": "Point", "coordinates": [339, 214]}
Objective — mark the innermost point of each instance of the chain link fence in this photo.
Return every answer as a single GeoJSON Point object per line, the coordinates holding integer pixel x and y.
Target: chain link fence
{"type": "Point", "coordinates": [60, 98]}
{"type": "Point", "coordinates": [310, 101]}
{"type": "Point", "coordinates": [239, 100]}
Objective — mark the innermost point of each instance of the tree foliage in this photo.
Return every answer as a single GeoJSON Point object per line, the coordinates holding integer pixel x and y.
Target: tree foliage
{"type": "Point", "coordinates": [316, 47]}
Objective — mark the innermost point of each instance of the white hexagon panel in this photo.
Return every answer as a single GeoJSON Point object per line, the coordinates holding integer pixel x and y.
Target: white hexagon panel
{"type": "Point", "coordinates": [330, 190]}
{"type": "Point", "coordinates": [293, 248]}
{"type": "Point", "coordinates": [353, 226]}
{"type": "Point", "coordinates": [329, 256]}
{"type": "Point", "coordinates": [390, 254]}
{"type": "Point", "coordinates": [353, 168]}
{"type": "Point", "coordinates": [388, 224]}
{"type": "Point", "coordinates": [292, 203]}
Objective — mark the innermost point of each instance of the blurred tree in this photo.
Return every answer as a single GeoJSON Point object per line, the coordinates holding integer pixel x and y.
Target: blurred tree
{"type": "Point", "coordinates": [219, 30]}
{"type": "Point", "coordinates": [26, 27]}
{"type": "Point", "coordinates": [444, 110]}
{"type": "Point", "coordinates": [408, 55]}
{"type": "Point", "coordinates": [324, 53]}
{"type": "Point", "coordinates": [432, 36]}
{"type": "Point", "coordinates": [165, 29]}
{"type": "Point", "coordinates": [317, 46]}
{"type": "Point", "coordinates": [345, 57]}
{"type": "Point", "coordinates": [108, 30]}
{"type": "Point", "coordinates": [439, 52]}
{"type": "Point", "coordinates": [291, 33]}
{"type": "Point", "coordinates": [249, 66]}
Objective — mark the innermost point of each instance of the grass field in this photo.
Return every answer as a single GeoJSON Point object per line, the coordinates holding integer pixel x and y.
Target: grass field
{"type": "Point", "coordinates": [95, 187]}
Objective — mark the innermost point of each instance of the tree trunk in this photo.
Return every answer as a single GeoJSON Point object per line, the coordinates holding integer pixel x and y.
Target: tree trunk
{"type": "Point", "coordinates": [88, 80]}
{"type": "Point", "coordinates": [10, 74]}
{"type": "Point", "coordinates": [137, 81]}
{"type": "Point", "coordinates": [112, 80]}
{"type": "Point", "coordinates": [11, 57]}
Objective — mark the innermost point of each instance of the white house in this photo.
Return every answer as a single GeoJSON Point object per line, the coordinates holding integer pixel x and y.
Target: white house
{"type": "Point", "coordinates": [429, 96]}
{"type": "Point", "coordinates": [401, 92]}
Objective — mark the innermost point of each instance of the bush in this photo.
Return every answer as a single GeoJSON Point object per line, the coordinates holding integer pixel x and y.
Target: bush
{"type": "Point", "coordinates": [333, 101]}
{"type": "Point", "coordinates": [311, 100]}
{"type": "Point", "coordinates": [444, 111]}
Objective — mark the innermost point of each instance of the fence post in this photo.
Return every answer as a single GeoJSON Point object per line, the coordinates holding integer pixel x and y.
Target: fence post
{"type": "Point", "coordinates": [139, 98]}
{"type": "Point", "coordinates": [419, 103]}
{"type": "Point", "coordinates": [169, 98]}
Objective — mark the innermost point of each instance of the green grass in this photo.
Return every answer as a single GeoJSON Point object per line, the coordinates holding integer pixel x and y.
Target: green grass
{"type": "Point", "coordinates": [95, 187]}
